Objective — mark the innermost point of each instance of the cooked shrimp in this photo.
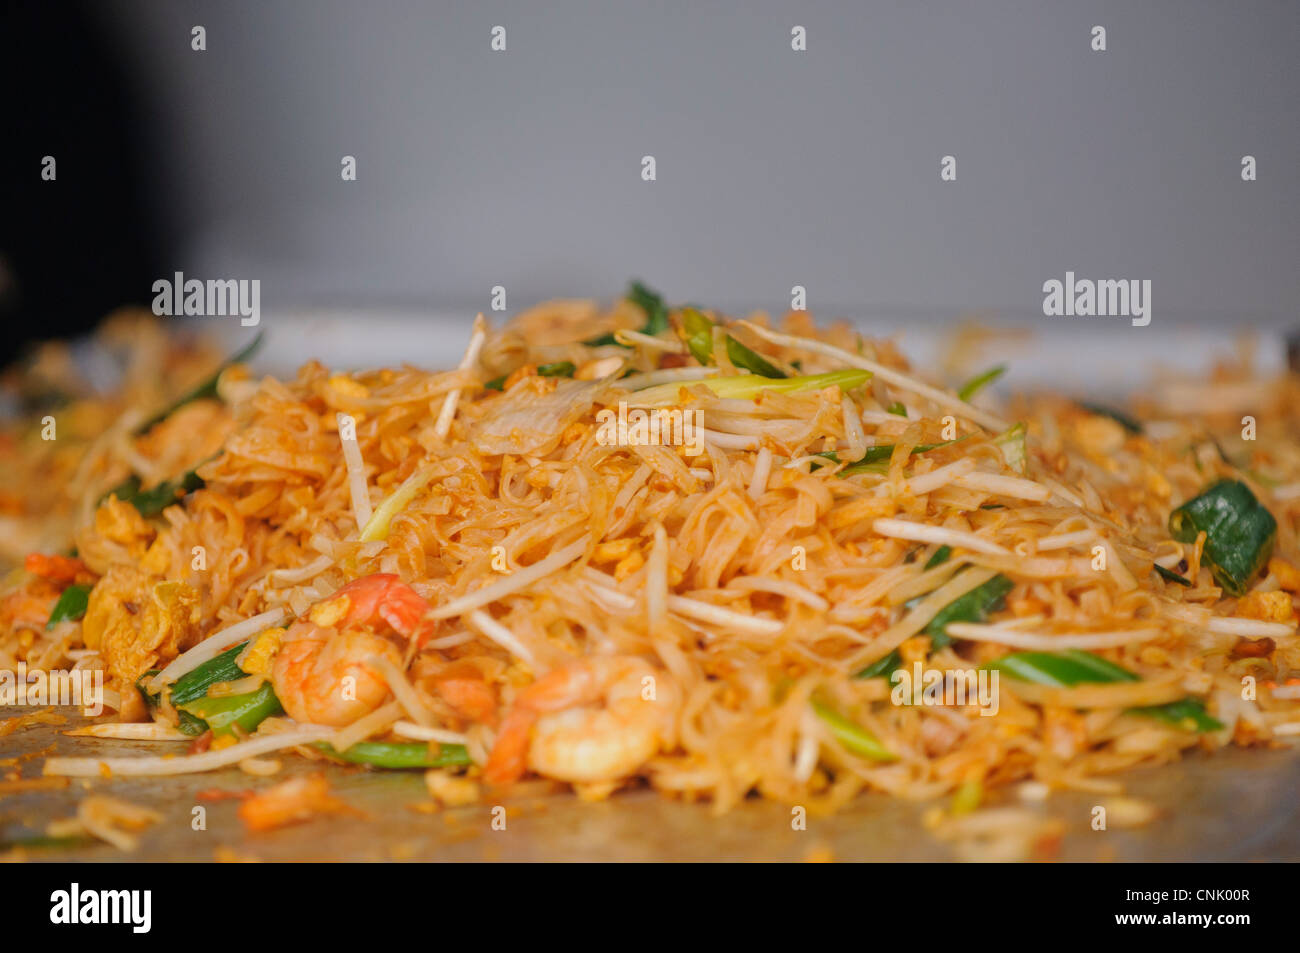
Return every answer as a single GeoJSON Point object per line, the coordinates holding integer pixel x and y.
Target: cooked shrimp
{"type": "Point", "coordinates": [323, 674]}
{"type": "Point", "coordinates": [557, 727]}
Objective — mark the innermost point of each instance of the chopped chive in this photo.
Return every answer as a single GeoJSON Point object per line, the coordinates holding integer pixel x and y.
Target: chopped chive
{"type": "Point", "coordinates": [656, 320]}
{"type": "Point", "coordinates": [1012, 444]}
{"type": "Point", "coordinates": [70, 607]}
{"type": "Point", "coordinates": [1074, 667]}
{"type": "Point", "coordinates": [206, 390]}
{"type": "Point", "coordinates": [381, 754]}
{"type": "Point", "coordinates": [851, 735]}
{"type": "Point", "coordinates": [941, 556]}
{"type": "Point", "coordinates": [974, 606]}
{"type": "Point", "coordinates": [980, 381]}
{"type": "Point", "coordinates": [746, 386]}
{"type": "Point", "coordinates": [876, 459]}
{"type": "Point", "coordinates": [698, 331]}
{"type": "Point", "coordinates": [558, 369]}
{"type": "Point", "coordinates": [1170, 576]}
{"type": "Point", "coordinates": [246, 710]}
{"type": "Point", "coordinates": [882, 668]}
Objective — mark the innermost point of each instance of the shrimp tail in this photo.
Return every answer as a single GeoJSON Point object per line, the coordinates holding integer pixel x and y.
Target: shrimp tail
{"type": "Point", "coordinates": [509, 757]}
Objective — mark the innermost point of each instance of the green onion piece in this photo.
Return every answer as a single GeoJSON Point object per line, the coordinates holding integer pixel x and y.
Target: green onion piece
{"type": "Point", "coordinates": [699, 341]}
{"type": "Point", "coordinates": [247, 710]}
{"type": "Point", "coordinates": [656, 320]}
{"type": "Point", "coordinates": [1060, 669]}
{"type": "Point", "coordinates": [698, 332]}
{"type": "Point", "coordinates": [656, 313]}
{"type": "Point", "coordinates": [205, 391]}
{"type": "Point", "coordinates": [46, 842]}
{"type": "Point", "coordinates": [195, 683]}
{"type": "Point", "coordinates": [70, 607]}
{"type": "Point", "coordinates": [876, 459]}
{"type": "Point", "coordinates": [1188, 714]}
{"type": "Point", "coordinates": [1170, 576]}
{"type": "Point", "coordinates": [941, 556]}
{"type": "Point", "coordinates": [558, 369]}
{"type": "Point", "coordinates": [746, 386]}
{"type": "Point", "coordinates": [750, 360]}
{"type": "Point", "coordinates": [189, 725]}
{"type": "Point", "coordinates": [882, 668]}
{"type": "Point", "coordinates": [974, 606]}
{"type": "Point", "coordinates": [967, 797]}
{"type": "Point", "coordinates": [382, 754]}
{"type": "Point", "coordinates": [396, 501]}
{"type": "Point", "coordinates": [153, 501]}
{"type": "Point", "coordinates": [1239, 532]}
{"type": "Point", "coordinates": [1123, 419]}
{"type": "Point", "coordinates": [1012, 444]}
{"type": "Point", "coordinates": [1074, 667]}
{"type": "Point", "coordinates": [897, 409]}
{"type": "Point", "coordinates": [851, 735]}
{"type": "Point", "coordinates": [980, 381]}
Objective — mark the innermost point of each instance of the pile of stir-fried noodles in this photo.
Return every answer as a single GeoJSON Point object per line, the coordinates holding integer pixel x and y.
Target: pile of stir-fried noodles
{"type": "Point", "coordinates": [657, 545]}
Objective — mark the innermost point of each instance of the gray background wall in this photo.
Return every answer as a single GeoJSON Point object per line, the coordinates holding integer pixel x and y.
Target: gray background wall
{"type": "Point", "coordinates": [774, 167]}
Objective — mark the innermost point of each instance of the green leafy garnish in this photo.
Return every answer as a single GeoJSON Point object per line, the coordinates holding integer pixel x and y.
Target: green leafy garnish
{"type": "Point", "coordinates": [980, 381]}
{"type": "Point", "coordinates": [897, 409]}
{"type": "Point", "coordinates": [1121, 418]}
{"type": "Point", "coordinates": [382, 754]}
{"type": "Point", "coordinates": [1075, 667]}
{"type": "Point", "coordinates": [70, 607]}
{"type": "Point", "coordinates": [206, 390]}
{"type": "Point", "coordinates": [851, 735]}
{"type": "Point", "coordinates": [1239, 532]}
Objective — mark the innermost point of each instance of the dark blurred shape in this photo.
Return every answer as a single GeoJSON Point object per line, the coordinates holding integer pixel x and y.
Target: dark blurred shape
{"type": "Point", "coordinates": [74, 248]}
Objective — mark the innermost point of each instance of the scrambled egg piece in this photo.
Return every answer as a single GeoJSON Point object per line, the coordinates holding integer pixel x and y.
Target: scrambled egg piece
{"type": "Point", "coordinates": [118, 534]}
{"type": "Point", "coordinates": [1268, 606]}
{"type": "Point", "coordinates": [122, 523]}
{"type": "Point", "coordinates": [138, 624]}
{"type": "Point", "coordinates": [257, 658]}
{"type": "Point", "coordinates": [1288, 576]}
{"type": "Point", "coordinates": [1099, 435]}
{"type": "Point", "coordinates": [330, 612]}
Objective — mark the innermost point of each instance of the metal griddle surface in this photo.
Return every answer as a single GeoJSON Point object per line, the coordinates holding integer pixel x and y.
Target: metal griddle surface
{"type": "Point", "coordinates": [1236, 805]}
